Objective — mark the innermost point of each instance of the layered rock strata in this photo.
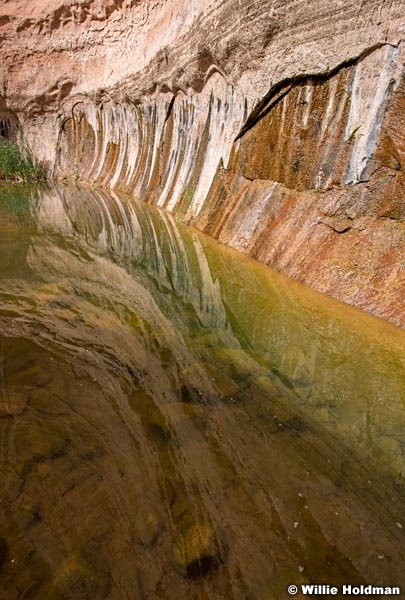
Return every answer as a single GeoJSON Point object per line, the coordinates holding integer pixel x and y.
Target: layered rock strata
{"type": "Point", "coordinates": [275, 127]}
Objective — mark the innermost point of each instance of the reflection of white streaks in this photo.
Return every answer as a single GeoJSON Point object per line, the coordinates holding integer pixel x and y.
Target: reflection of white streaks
{"type": "Point", "coordinates": [134, 233]}
{"type": "Point", "coordinates": [123, 259]}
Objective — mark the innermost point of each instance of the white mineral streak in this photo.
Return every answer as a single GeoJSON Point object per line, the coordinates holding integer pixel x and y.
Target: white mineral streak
{"type": "Point", "coordinates": [243, 229]}
{"type": "Point", "coordinates": [220, 109]}
{"type": "Point", "coordinates": [206, 124]}
{"type": "Point", "coordinates": [92, 117]}
{"type": "Point", "coordinates": [132, 136]}
{"type": "Point", "coordinates": [330, 122]}
{"type": "Point", "coordinates": [330, 112]}
{"type": "Point", "coordinates": [374, 79]}
{"type": "Point", "coordinates": [307, 105]}
{"type": "Point", "coordinates": [212, 118]}
{"type": "Point", "coordinates": [179, 167]}
{"type": "Point", "coordinates": [227, 110]}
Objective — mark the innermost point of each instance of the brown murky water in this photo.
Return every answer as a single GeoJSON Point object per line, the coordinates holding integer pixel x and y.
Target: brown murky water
{"type": "Point", "coordinates": [177, 421]}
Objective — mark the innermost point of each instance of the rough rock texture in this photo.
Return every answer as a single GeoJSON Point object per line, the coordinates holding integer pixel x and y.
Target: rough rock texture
{"type": "Point", "coordinates": [277, 127]}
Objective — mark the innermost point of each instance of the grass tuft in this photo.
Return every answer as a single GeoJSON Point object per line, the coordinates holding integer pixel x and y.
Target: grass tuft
{"type": "Point", "coordinates": [18, 165]}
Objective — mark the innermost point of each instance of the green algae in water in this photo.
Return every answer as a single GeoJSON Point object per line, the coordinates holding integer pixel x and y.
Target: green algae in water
{"type": "Point", "coordinates": [177, 420]}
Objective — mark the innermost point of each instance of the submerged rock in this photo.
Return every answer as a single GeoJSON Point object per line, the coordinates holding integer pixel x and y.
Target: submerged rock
{"type": "Point", "coordinates": [195, 551]}
{"type": "Point", "coordinates": [77, 579]}
{"type": "Point", "coordinates": [38, 440]}
{"type": "Point", "coordinates": [147, 527]}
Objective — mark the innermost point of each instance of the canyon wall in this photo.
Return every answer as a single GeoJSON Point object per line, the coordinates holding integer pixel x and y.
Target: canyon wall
{"type": "Point", "coordinates": [276, 127]}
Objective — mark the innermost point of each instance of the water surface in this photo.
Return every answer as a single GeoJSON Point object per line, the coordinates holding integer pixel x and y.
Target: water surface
{"type": "Point", "coordinates": [178, 421]}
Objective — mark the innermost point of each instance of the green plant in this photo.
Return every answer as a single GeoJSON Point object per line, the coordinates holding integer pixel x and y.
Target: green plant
{"type": "Point", "coordinates": [353, 133]}
{"type": "Point", "coordinates": [17, 164]}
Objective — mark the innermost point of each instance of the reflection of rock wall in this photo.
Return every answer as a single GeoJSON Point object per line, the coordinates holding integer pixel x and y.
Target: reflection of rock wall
{"type": "Point", "coordinates": [162, 395]}
{"type": "Point", "coordinates": [274, 127]}
{"type": "Point", "coordinates": [255, 327]}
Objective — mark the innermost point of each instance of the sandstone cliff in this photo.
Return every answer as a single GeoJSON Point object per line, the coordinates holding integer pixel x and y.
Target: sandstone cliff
{"type": "Point", "coordinates": [277, 127]}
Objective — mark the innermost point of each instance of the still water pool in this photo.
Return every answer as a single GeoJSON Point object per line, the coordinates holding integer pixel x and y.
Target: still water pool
{"type": "Point", "coordinates": [178, 421]}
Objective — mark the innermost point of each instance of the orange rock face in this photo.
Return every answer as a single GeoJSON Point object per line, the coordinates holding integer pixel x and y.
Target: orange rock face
{"type": "Point", "coordinates": [306, 194]}
{"type": "Point", "coordinates": [276, 127]}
